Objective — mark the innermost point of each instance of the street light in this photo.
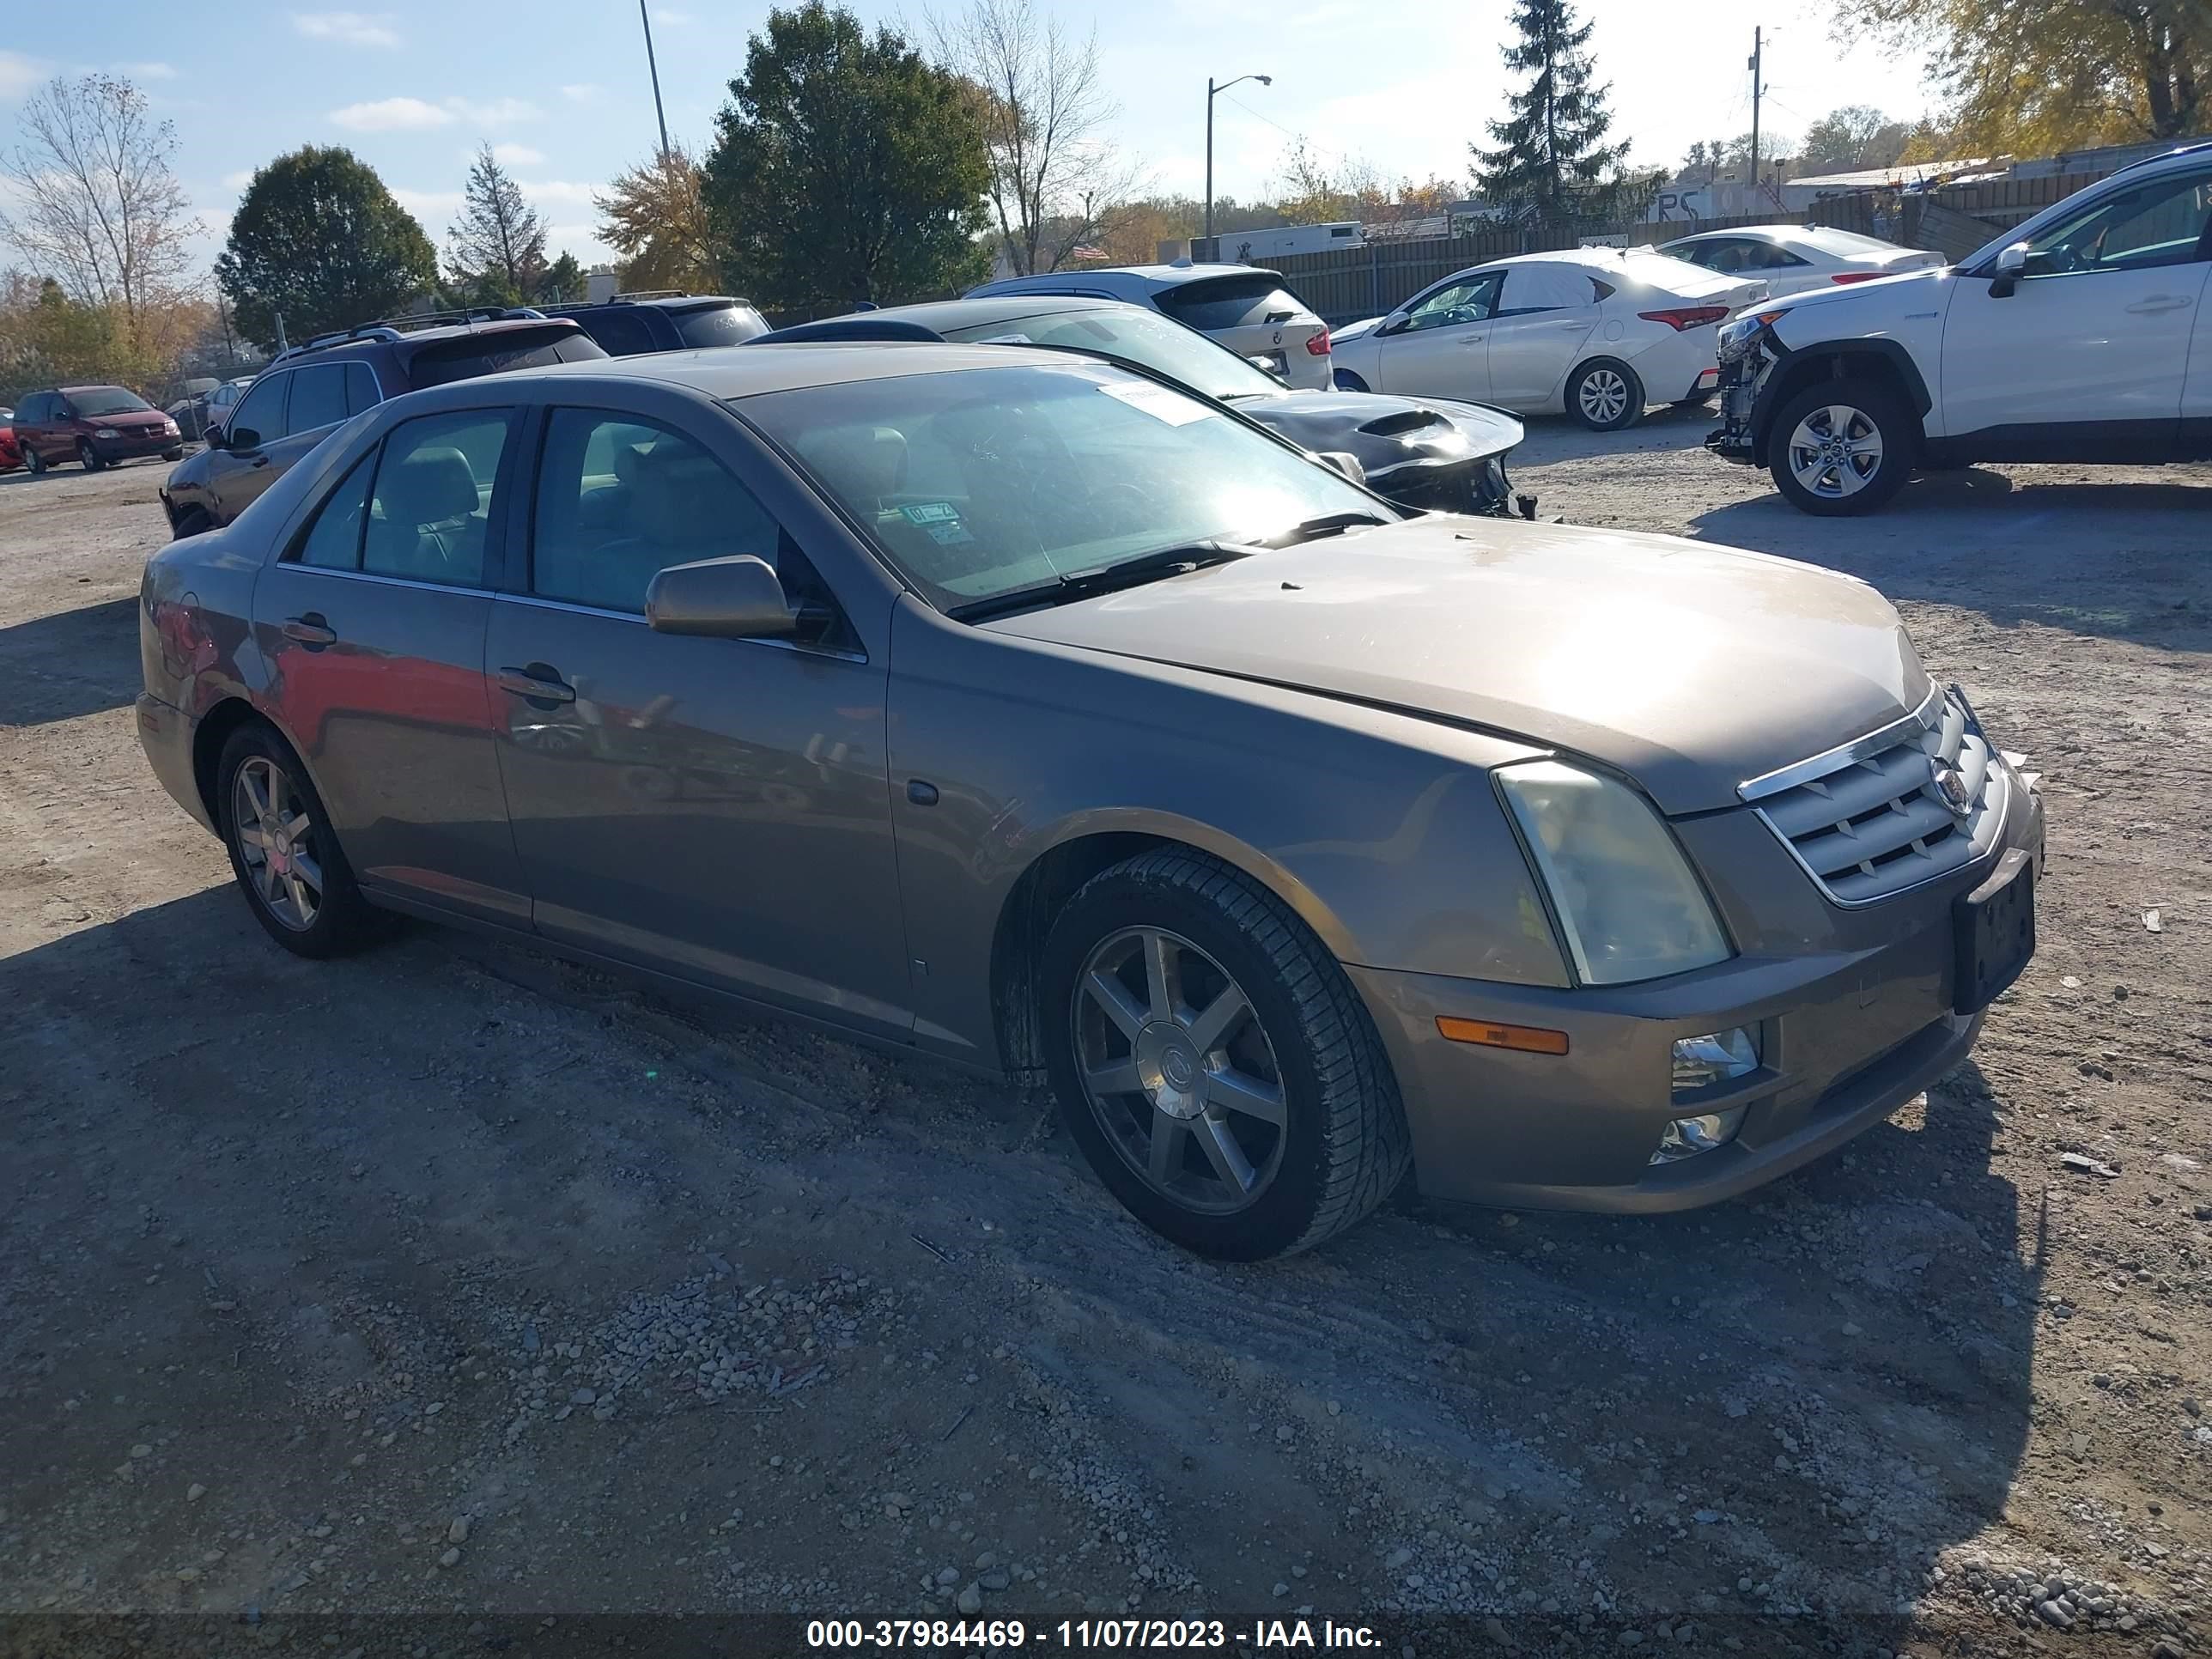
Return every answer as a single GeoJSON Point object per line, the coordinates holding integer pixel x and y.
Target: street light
{"type": "Point", "coordinates": [1265, 81]}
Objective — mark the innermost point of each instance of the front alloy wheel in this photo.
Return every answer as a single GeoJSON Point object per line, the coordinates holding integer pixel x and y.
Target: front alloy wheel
{"type": "Point", "coordinates": [1178, 1071]}
{"type": "Point", "coordinates": [1834, 451]}
{"type": "Point", "coordinates": [1841, 447]}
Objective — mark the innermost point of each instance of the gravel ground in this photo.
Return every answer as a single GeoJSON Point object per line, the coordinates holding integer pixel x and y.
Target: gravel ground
{"type": "Point", "coordinates": [453, 1282]}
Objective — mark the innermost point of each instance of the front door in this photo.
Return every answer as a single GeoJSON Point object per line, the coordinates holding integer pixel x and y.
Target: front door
{"type": "Point", "coordinates": [373, 626]}
{"type": "Point", "coordinates": [2105, 312]}
{"type": "Point", "coordinates": [716, 809]}
{"type": "Point", "coordinates": [1443, 349]}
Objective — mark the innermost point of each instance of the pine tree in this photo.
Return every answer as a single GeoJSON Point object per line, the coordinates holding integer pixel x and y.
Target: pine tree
{"type": "Point", "coordinates": [1552, 157]}
{"type": "Point", "coordinates": [495, 250]}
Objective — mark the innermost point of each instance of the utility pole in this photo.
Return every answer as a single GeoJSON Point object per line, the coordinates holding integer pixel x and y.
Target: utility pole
{"type": "Point", "coordinates": [1211, 92]}
{"type": "Point", "coordinates": [1758, 50]}
{"type": "Point", "coordinates": [653, 69]}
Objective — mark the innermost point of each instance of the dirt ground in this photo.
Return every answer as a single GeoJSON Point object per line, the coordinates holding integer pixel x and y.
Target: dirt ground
{"type": "Point", "coordinates": [454, 1284]}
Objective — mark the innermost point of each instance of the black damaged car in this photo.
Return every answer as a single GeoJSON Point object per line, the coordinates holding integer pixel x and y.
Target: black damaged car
{"type": "Point", "coordinates": [1434, 453]}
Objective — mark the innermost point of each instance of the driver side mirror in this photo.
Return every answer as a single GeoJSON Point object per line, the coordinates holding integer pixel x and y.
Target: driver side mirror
{"type": "Point", "coordinates": [2011, 267]}
{"type": "Point", "coordinates": [240, 438]}
{"type": "Point", "coordinates": [1393, 323]}
{"type": "Point", "coordinates": [731, 598]}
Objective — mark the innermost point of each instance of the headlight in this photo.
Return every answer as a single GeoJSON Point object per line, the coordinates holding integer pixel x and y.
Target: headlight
{"type": "Point", "coordinates": [103, 431]}
{"type": "Point", "coordinates": [1629, 903]}
{"type": "Point", "coordinates": [1735, 337]}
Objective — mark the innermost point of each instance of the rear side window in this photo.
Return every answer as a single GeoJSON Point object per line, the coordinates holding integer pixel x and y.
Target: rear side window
{"type": "Point", "coordinates": [464, 358]}
{"type": "Point", "coordinates": [720, 325]}
{"type": "Point", "coordinates": [333, 540]}
{"type": "Point", "coordinates": [35, 409]}
{"type": "Point", "coordinates": [318, 398]}
{"type": "Point", "coordinates": [1544, 287]}
{"type": "Point", "coordinates": [430, 511]}
{"type": "Point", "coordinates": [261, 412]}
{"type": "Point", "coordinates": [1222, 302]}
{"type": "Point", "coordinates": [360, 388]}
{"type": "Point", "coordinates": [623, 331]}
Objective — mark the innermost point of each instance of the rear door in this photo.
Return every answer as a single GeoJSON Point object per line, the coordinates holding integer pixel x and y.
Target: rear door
{"type": "Point", "coordinates": [373, 624]}
{"type": "Point", "coordinates": [1545, 315]}
{"type": "Point", "coordinates": [33, 422]}
{"type": "Point", "coordinates": [713, 808]}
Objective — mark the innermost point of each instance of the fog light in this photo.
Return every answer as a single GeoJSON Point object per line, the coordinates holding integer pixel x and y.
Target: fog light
{"type": "Point", "coordinates": [1685, 1137]}
{"type": "Point", "coordinates": [1702, 1062]}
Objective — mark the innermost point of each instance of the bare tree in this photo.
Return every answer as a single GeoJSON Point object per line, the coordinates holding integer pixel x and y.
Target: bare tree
{"type": "Point", "coordinates": [495, 250]}
{"type": "Point", "coordinates": [1055, 183]}
{"type": "Point", "coordinates": [99, 210]}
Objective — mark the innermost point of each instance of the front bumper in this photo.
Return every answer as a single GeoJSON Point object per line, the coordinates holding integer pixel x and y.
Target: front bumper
{"type": "Point", "coordinates": [1846, 1035]}
{"type": "Point", "coordinates": [136, 446]}
{"type": "Point", "coordinates": [1735, 437]}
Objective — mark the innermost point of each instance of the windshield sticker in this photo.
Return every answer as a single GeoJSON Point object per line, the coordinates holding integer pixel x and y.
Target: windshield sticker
{"type": "Point", "coordinates": [948, 535]}
{"type": "Point", "coordinates": [1156, 401]}
{"type": "Point", "coordinates": [1006, 339]}
{"type": "Point", "coordinates": [930, 513]}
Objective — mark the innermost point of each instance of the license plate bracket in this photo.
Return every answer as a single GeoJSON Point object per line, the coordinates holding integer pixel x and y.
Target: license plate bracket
{"type": "Point", "coordinates": [1994, 926]}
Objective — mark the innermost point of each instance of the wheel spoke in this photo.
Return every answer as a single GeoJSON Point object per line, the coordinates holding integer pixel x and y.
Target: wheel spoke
{"type": "Point", "coordinates": [273, 883]}
{"type": "Point", "coordinates": [308, 870]}
{"type": "Point", "coordinates": [1166, 1158]}
{"type": "Point", "coordinates": [1221, 1016]}
{"type": "Point", "coordinates": [298, 826]}
{"type": "Point", "coordinates": [1116, 1078]}
{"type": "Point", "coordinates": [1240, 1091]}
{"type": "Point", "coordinates": [1107, 992]}
{"type": "Point", "coordinates": [1161, 984]}
{"type": "Point", "coordinates": [249, 834]}
{"type": "Point", "coordinates": [1223, 1152]}
{"type": "Point", "coordinates": [296, 890]}
{"type": "Point", "coordinates": [256, 796]}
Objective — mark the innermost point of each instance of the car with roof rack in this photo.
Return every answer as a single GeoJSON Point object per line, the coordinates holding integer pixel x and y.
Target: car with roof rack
{"type": "Point", "coordinates": [310, 389]}
{"type": "Point", "coordinates": [663, 319]}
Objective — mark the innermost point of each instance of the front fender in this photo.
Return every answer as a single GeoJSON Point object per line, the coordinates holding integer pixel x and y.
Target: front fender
{"type": "Point", "coordinates": [1382, 830]}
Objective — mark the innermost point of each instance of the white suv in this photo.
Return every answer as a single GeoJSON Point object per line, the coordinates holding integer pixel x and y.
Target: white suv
{"type": "Point", "coordinates": [2070, 338]}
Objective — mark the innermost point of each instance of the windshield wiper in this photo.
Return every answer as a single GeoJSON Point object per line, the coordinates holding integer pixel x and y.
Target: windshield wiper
{"type": "Point", "coordinates": [1329, 524]}
{"type": "Point", "coordinates": [1105, 578]}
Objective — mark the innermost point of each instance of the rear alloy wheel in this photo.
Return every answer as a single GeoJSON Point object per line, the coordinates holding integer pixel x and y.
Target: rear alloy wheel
{"type": "Point", "coordinates": [1347, 381]}
{"type": "Point", "coordinates": [33, 463]}
{"type": "Point", "coordinates": [1605, 396]}
{"type": "Point", "coordinates": [1840, 447]}
{"type": "Point", "coordinates": [192, 521]}
{"type": "Point", "coordinates": [86, 457]}
{"type": "Point", "coordinates": [1213, 1063]}
{"type": "Point", "coordinates": [284, 853]}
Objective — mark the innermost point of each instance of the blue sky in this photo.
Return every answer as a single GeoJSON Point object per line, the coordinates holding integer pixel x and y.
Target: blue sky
{"type": "Point", "coordinates": [560, 86]}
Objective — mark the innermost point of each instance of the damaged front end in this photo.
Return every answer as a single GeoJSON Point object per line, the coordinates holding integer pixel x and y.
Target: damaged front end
{"type": "Point", "coordinates": [1748, 354]}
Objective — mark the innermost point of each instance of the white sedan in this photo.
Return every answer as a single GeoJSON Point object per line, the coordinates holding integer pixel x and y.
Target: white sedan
{"type": "Point", "coordinates": [1797, 259]}
{"type": "Point", "coordinates": [1598, 332]}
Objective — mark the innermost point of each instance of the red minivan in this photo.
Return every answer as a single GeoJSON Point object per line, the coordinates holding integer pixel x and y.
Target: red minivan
{"type": "Point", "coordinates": [94, 426]}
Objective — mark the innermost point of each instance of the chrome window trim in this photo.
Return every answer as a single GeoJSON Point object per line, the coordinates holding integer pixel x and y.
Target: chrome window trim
{"type": "Point", "coordinates": [387, 581]}
{"type": "Point", "coordinates": [1833, 759]}
{"type": "Point", "coordinates": [638, 618]}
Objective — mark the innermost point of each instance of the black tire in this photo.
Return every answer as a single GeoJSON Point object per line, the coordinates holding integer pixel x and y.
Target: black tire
{"type": "Point", "coordinates": [1843, 487]}
{"type": "Point", "coordinates": [33, 463]}
{"type": "Point", "coordinates": [176, 454]}
{"type": "Point", "coordinates": [1342, 1146]}
{"type": "Point", "coordinates": [343, 922]}
{"type": "Point", "coordinates": [1591, 398]}
{"type": "Point", "coordinates": [1347, 381]}
{"type": "Point", "coordinates": [191, 522]}
{"type": "Point", "coordinates": [86, 458]}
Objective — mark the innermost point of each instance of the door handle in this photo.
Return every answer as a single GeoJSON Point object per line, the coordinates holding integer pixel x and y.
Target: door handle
{"type": "Point", "coordinates": [310, 630]}
{"type": "Point", "coordinates": [543, 687]}
{"type": "Point", "coordinates": [260, 460]}
{"type": "Point", "coordinates": [2158, 302]}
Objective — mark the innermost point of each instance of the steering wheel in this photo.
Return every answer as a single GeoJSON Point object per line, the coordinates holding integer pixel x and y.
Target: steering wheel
{"type": "Point", "coordinates": [1122, 507]}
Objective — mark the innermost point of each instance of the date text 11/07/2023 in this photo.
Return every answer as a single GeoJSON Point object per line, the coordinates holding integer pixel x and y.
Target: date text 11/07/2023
{"type": "Point", "coordinates": [1084, 1635]}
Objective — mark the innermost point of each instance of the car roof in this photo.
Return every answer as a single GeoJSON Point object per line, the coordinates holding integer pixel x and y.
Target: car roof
{"type": "Point", "coordinates": [1150, 277]}
{"type": "Point", "coordinates": [749, 370]}
{"type": "Point", "coordinates": [1778, 233]}
{"type": "Point", "coordinates": [654, 301]}
{"type": "Point", "coordinates": [938, 315]}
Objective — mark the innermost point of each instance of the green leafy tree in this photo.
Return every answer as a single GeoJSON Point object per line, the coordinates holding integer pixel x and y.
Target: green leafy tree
{"type": "Point", "coordinates": [1851, 139]}
{"type": "Point", "coordinates": [563, 280]}
{"type": "Point", "coordinates": [845, 168]}
{"type": "Point", "coordinates": [497, 245]}
{"type": "Point", "coordinates": [318, 241]}
{"type": "Point", "coordinates": [1551, 152]}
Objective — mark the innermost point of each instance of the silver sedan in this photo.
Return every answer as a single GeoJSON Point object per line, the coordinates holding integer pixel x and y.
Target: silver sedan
{"type": "Point", "coordinates": [1031, 713]}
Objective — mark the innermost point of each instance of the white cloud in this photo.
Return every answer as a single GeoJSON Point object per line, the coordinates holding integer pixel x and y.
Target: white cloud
{"type": "Point", "coordinates": [144, 71]}
{"type": "Point", "coordinates": [19, 74]}
{"type": "Point", "coordinates": [500, 112]}
{"type": "Point", "coordinates": [556, 193]}
{"type": "Point", "coordinates": [351, 28]}
{"type": "Point", "coordinates": [238, 180]}
{"type": "Point", "coordinates": [432, 207]}
{"type": "Point", "coordinates": [580, 92]}
{"type": "Point", "coordinates": [391, 115]}
{"type": "Point", "coordinates": [674, 18]}
{"type": "Point", "coordinates": [514, 155]}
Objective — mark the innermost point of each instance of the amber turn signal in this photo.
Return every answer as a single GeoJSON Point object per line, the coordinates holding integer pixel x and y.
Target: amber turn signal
{"type": "Point", "coordinates": [1528, 1039]}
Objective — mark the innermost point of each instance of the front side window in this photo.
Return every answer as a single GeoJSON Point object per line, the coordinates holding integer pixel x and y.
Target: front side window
{"type": "Point", "coordinates": [1470, 299]}
{"type": "Point", "coordinates": [333, 539]}
{"type": "Point", "coordinates": [975, 483]}
{"type": "Point", "coordinates": [2161, 221]}
{"type": "Point", "coordinates": [619, 500]}
{"type": "Point", "coordinates": [318, 398]}
{"type": "Point", "coordinates": [260, 418]}
{"type": "Point", "coordinates": [430, 511]}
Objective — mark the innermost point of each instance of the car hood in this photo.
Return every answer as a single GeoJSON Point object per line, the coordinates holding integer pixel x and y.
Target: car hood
{"type": "Point", "coordinates": [134, 419]}
{"type": "Point", "coordinates": [1691, 668]}
{"type": "Point", "coordinates": [1385, 433]}
{"type": "Point", "coordinates": [1359, 330]}
{"type": "Point", "coordinates": [1881, 294]}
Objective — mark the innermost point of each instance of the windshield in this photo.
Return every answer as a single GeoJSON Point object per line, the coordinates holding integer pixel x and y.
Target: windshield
{"type": "Point", "coordinates": [105, 400]}
{"type": "Point", "coordinates": [978, 482]}
{"type": "Point", "coordinates": [1140, 336]}
{"type": "Point", "coordinates": [720, 325]}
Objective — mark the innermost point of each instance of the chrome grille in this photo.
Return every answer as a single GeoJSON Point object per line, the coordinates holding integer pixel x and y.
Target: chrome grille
{"type": "Point", "coordinates": [1904, 806]}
